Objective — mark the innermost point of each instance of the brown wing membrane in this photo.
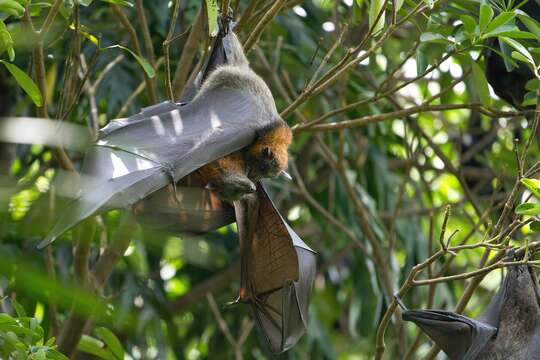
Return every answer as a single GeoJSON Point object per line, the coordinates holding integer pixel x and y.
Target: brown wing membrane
{"type": "Point", "coordinates": [187, 208]}
{"type": "Point", "coordinates": [277, 271]}
{"type": "Point", "coordinates": [272, 259]}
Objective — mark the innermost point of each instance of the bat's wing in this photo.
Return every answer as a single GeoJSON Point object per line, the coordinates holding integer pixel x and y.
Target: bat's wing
{"type": "Point", "coordinates": [278, 270]}
{"type": "Point", "coordinates": [139, 155]}
{"type": "Point", "coordinates": [460, 337]}
{"type": "Point", "coordinates": [185, 208]}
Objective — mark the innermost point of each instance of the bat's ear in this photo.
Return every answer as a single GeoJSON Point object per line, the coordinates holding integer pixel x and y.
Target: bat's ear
{"type": "Point", "coordinates": [458, 336]}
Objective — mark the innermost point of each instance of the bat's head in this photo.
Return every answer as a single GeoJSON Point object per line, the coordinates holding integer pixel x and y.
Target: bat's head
{"type": "Point", "coordinates": [268, 156]}
{"type": "Point", "coordinates": [232, 186]}
{"type": "Point", "coordinates": [268, 162]}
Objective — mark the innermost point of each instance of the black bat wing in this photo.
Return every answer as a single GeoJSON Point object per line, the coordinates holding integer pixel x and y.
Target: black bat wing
{"type": "Point", "coordinates": [139, 155]}
{"type": "Point", "coordinates": [460, 337]}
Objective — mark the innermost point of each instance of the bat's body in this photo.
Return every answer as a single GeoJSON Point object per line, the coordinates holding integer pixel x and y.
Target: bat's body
{"type": "Point", "coordinates": [519, 318]}
{"type": "Point", "coordinates": [233, 176]}
{"type": "Point", "coordinates": [508, 329]}
{"type": "Point", "coordinates": [229, 129]}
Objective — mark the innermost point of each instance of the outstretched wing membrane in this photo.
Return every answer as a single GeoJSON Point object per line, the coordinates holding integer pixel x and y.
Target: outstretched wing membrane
{"type": "Point", "coordinates": [139, 155]}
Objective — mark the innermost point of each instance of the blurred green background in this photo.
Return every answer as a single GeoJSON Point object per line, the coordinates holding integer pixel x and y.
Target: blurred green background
{"type": "Point", "coordinates": [368, 196]}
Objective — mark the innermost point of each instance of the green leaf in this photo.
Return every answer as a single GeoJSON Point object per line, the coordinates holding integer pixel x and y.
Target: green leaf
{"type": "Point", "coordinates": [518, 56]}
{"type": "Point", "coordinates": [6, 319]}
{"type": "Point", "coordinates": [500, 20]}
{"type": "Point", "coordinates": [55, 355]}
{"type": "Point", "coordinates": [520, 48]}
{"type": "Point", "coordinates": [433, 37]}
{"type": "Point", "coordinates": [529, 99]}
{"type": "Point", "coordinates": [469, 23]}
{"type": "Point", "coordinates": [11, 7]}
{"type": "Point", "coordinates": [515, 34]}
{"type": "Point", "coordinates": [325, 4]}
{"type": "Point", "coordinates": [486, 14]}
{"type": "Point", "coordinates": [95, 347]}
{"type": "Point", "coordinates": [18, 308]}
{"type": "Point", "coordinates": [375, 7]}
{"type": "Point", "coordinates": [85, 2]}
{"type": "Point", "coordinates": [25, 82]}
{"type": "Point", "coordinates": [119, 2]}
{"type": "Point", "coordinates": [148, 69]}
{"type": "Point", "coordinates": [532, 85]}
{"type": "Point", "coordinates": [212, 13]}
{"type": "Point", "coordinates": [422, 60]}
{"type": "Point", "coordinates": [535, 226]}
{"type": "Point", "coordinates": [533, 185]}
{"type": "Point", "coordinates": [531, 24]}
{"type": "Point", "coordinates": [35, 8]}
{"type": "Point", "coordinates": [84, 32]}
{"type": "Point", "coordinates": [16, 329]}
{"type": "Point", "coordinates": [480, 83]}
{"type": "Point", "coordinates": [112, 342]}
{"type": "Point", "coordinates": [398, 4]}
{"type": "Point", "coordinates": [6, 42]}
{"type": "Point", "coordinates": [528, 209]}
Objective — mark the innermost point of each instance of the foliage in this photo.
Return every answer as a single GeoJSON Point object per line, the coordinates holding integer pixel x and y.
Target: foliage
{"type": "Point", "coordinates": [396, 114]}
{"type": "Point", "coordinates": [21, 337]}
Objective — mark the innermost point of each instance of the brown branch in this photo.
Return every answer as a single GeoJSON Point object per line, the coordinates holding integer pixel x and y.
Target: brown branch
{"type": "Point", "coordinates": [146, 32]}
{"type": "Point", "coordinates": [259, 28]}
{"type": "Point", "coordinates": [188, 54]}
{"type": "Point", "coordinates": [219, 281]}
{"type": "Point", "coordinates": [246, 15]}
{"type": "Point", "coordinates": [371, 119]}
{"type": "Point", "coordinates": [473, 284]}
{"type": "Point", "coordinates": [166, 47]}
{"type": "Point", "coordinates": [150, 83]}
{"type": "Point", "coordinates": [346, 64]}
{"type": "Point", "coordinates": [140, 88]}
{"type": "Point", "coordinates": [74, 326]}
{"type": "Point", "coordinates": [50, 18]}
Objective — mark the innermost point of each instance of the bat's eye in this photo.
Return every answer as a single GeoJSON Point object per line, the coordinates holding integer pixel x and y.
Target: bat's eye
{"type": "Point", "coordinates": [267, 153]}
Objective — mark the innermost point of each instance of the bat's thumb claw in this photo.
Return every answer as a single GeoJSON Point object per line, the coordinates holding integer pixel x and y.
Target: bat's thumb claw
{"type": "Point", "coordinates": [285, 174]}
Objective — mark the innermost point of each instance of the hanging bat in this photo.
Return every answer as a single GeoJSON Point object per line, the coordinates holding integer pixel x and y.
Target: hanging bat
{"type": "Point", "coordinates": [230, 132]}
{"type": "Point", "coordinates": [278, 268]}
{"type": "Point", "coordinates": [509, 328]}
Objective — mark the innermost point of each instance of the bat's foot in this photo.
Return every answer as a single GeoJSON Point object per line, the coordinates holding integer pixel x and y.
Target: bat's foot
{"type": "Point", "coordinates": [232, 186]}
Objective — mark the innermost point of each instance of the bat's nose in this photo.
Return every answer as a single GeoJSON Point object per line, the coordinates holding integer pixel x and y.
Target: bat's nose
{"type": "Point", "coordinates": [252, 188]}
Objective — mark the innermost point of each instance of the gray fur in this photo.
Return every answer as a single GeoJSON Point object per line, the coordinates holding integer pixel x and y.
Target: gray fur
{"type": "Point", "coordinates": [519, 317]}
{"type": "Point", "coordinates": [238, 75]}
